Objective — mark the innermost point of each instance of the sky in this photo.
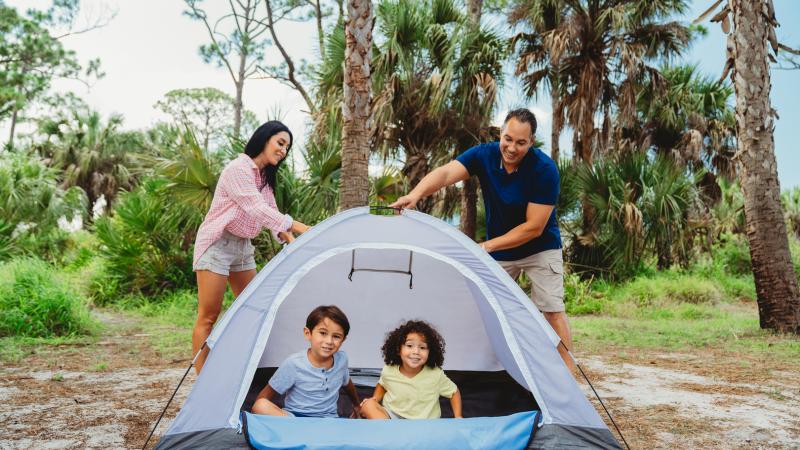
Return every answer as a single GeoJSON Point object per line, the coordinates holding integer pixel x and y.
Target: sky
{"type": "Point", "coordinates": [150, 48]}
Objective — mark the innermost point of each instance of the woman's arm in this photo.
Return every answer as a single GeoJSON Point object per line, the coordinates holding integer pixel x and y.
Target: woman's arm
{"type": "Point", "coordinates": [455, 403]}
{"type": "Point", "coordinates": [238, 183]}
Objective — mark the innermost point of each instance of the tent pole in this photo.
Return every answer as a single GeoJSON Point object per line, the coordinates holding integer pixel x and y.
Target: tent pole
{"type": "Point", "coordinates": [596, 394]}
{"type": "Point", "coordinates": [191, 364]}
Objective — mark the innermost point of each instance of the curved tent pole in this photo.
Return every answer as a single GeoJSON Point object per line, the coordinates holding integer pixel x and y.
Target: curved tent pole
{"type": "Point", "coordinates": [173, 396]}
{"type": "Point", "coordinates": [596, 394]}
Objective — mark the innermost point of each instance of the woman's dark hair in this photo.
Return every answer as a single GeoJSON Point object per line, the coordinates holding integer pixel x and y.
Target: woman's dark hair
{"type": "Point", "coordinates": [331, 312]}
{"type": "Point", "coordinates": [396, 338]}
{"type": "Point", "coordinates": [257, 143]}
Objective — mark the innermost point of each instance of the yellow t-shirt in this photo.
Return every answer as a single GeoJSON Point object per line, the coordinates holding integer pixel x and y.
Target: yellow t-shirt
{"type": "Point", "coordinates": [417, 397]}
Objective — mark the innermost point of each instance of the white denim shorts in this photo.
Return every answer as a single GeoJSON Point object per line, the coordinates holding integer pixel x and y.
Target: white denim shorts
{"type": "Point", "coordinates": [228, 254]}
{"type": "Point", "coordinates": [546, 271]}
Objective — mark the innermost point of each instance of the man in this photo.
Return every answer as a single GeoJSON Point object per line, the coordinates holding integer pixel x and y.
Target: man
{"type": "Point", "coordinates": [520, 186]}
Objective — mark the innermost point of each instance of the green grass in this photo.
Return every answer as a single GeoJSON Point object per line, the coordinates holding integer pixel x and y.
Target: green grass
{"type": "Point", "coordinates": [674, 310]}
{"type": "Point", "coordinates": [16, 348]}
{"type": "Point", "coordinates": [168, 319]}
{"type": "Point", "coordinates": [36, 302]}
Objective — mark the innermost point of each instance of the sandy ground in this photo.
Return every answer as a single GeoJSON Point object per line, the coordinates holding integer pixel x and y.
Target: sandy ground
{"type": "Point", "coordinates": [108, 395]}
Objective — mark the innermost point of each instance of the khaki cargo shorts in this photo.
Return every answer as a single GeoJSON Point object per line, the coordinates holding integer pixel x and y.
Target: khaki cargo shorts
{"type": "Point", "coordinates": [546, 271]}
{"type": "Point", "coordinates": [227, 254]}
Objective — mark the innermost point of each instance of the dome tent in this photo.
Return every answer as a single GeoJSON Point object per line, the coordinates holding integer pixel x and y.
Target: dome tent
{"type": "Point", "coordinates": [380, 270]}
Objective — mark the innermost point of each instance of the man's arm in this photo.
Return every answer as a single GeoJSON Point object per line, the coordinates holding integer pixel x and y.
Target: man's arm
{"type": "Point", "coordinates": [448, 174]}
{"type": "Point", "coordinates": [536, 217]}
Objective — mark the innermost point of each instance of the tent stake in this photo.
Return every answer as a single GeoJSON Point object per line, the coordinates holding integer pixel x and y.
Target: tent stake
{"type": "Point", "coordinates": [173, 396]}
{"type": "Point", "coordinates": [596, 395]}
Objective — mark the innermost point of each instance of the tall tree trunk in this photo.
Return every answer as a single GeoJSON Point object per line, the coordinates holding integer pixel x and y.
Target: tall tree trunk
{"type": "Point", "coordinates": [415, 169]}
{"type": "Point", "coordinates": [775, 279]}
{"type": "Point", "coordinates": [558, 123]}
{"type": "Point", "coordinates": [468, 222]}
{"type": "Point", "coordinates": [469, 207]}
{"type": "Point", "coordinates": [356, 106]}
{"type": "Point", "coordinates": [13, 127]}
{"type": "Point", "coordinates": [237, 104]}
{"type": "Point", "coordinates": [475, 7]}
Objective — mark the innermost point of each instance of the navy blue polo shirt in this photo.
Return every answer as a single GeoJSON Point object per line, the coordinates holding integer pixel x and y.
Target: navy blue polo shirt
{"type": "Point", "coordinates": [506, 195]}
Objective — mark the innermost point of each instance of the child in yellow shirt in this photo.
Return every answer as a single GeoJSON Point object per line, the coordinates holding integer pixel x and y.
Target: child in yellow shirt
{"type": "Point", "coordinates": [412, 380]}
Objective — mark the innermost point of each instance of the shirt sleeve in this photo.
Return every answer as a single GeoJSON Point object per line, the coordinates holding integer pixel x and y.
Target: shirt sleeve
{"type": "Point", "coordinates": [546, 186]}
{"type": "Point", "coordinates": [382, 379]}
{"type": "Point", "coordinates": [446, 386]}
{"type": "Point", "coordinates": [283, 378]}
{"type": "Point", "coordinates": [345, 369]}
{"type": "Point", "coordinates": [269, 197]}
{"type": "Point", "coordinates": [240, 188]}
{"type": "Point", "coordinates": [471, 159]}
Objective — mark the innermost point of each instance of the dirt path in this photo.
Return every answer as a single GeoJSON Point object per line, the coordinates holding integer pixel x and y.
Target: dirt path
{"type": "Point", "coordinates": [108, 394]}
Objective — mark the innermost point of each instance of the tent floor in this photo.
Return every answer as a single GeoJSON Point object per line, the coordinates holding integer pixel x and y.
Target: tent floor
{"type": "Point", "coordinates": [483, 394]}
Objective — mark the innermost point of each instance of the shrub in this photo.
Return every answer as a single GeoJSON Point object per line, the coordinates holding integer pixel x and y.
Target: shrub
{"type": "Point", "coordinates": [671, 289]}
{"type": "Point", "coordinates": [579, 298]}
{"type": "Point", "coordinates": [732, 255]}
{"type": "Point", "coordinates": [147, 244]}
{"type": "Point", "coordinates": [33, 303]}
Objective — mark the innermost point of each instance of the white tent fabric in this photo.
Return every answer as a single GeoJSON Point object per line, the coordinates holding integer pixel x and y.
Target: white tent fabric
{"type": "Point", "coordinates": [488, 322]}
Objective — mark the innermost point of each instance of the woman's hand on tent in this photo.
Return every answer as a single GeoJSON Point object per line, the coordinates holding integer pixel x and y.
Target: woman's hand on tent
{"type": "Point", "coordinates": [286, 236]}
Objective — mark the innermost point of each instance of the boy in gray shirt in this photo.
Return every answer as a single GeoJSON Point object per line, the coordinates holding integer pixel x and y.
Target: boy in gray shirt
{"type": "Point", "coordinates": [311, 379]}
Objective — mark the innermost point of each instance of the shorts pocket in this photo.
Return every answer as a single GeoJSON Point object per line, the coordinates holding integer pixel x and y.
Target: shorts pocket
{"type": "Point", "coordinates": [557, 267]}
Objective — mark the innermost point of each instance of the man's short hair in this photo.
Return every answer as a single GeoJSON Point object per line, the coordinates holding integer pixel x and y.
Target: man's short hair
{"type": "Point", "coordinates": [331, 312]}
{"type": "Point", "coordinates": [523, 115]}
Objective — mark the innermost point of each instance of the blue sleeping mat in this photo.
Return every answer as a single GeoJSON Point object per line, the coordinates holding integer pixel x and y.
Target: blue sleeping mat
{"type": "Point", "coordinates": [500, 433]}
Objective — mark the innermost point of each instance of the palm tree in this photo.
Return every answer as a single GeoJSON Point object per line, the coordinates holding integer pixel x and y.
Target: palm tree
{"type": "Point", "coordinates": [542, 17]}
{"type": "Point", "coordinates": [689, 118]}
{"type": "Point", "coordinates": [600, 51]}
{"type": "Point", "coordinates": [356, 105]}
{"type": "Point", "coordinates": [92, 155]}
{"type": "Point", "coordinates": [777, 289]}
{"type": "Point", "coordinates": [478, 74]}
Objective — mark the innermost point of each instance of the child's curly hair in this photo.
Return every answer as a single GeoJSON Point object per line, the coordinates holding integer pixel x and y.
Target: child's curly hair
{"type": "Point", "coordinates": [397, 337]}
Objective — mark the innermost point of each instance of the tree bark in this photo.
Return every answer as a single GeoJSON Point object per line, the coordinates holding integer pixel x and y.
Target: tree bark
{"type": "Point", "coordinates": [475, 7]}
{"type": "Point", "coordinates": [13, 127]}
{"type": "Point", "coordinates": [356, 111]}
{"type": "Point", "coordinates": [469, 207]}
{"type": "Point", "coordinates": [776, 282]}
{"type": "Point", "coordinates": [468, 222]}
{"type": "Point", "coordinates": [558, 123]}
{"type": "Point", "coordinates": [237, 104]}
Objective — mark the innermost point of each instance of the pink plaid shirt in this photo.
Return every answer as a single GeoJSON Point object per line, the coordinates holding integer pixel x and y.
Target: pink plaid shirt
{"type": "Point", "coordinates": [239, 207]}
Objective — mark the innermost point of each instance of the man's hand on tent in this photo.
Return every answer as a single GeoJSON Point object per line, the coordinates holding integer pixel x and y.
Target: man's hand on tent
{"type": "Point", "coordinates": [408, 201]}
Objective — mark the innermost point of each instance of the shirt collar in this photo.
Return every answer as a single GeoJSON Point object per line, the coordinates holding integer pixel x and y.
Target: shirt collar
{"type": "Point", "coordinates": [249, 159]}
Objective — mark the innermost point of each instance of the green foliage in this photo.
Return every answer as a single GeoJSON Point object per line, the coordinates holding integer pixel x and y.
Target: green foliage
{"type": "Point", "coordinates": [640, 208]}
{"type": "Point", "coordinates": [791, 205]}
{"type": "Point", "coordinates": [34, 303]}
{"type": "Point", "coordinates": [147, 247]}
{"type": "Point", "coordinates": [579, 297]}
{"type": "Point", "coordinates": [208, 112]}
{"type": "Point", "coordinates": [30, 206]}
{"type": "Point", "coordinates": [32, 56]}
{"type": "Point", "coordinates": [90, 154]}
{"type": "Point", "coordinates": [732, 255]}
{"type": "Point", "coordinates": [668, 288]}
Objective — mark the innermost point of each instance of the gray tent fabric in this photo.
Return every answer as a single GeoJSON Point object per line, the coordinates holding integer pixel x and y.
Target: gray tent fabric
{"type": "Point", "coordinates": [488, 322]}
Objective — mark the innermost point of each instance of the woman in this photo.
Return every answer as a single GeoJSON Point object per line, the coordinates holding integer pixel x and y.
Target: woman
{"type": "Point", "coordinates": [243, 205]}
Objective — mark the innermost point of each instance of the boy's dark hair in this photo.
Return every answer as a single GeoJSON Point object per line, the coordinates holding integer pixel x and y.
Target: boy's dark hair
{"type": "Point", "coordinates": [328, 312]}
{"type": "Point", "coordinates": [523, 115]}
{"type": "Point", "coordinates": [397, 337]}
